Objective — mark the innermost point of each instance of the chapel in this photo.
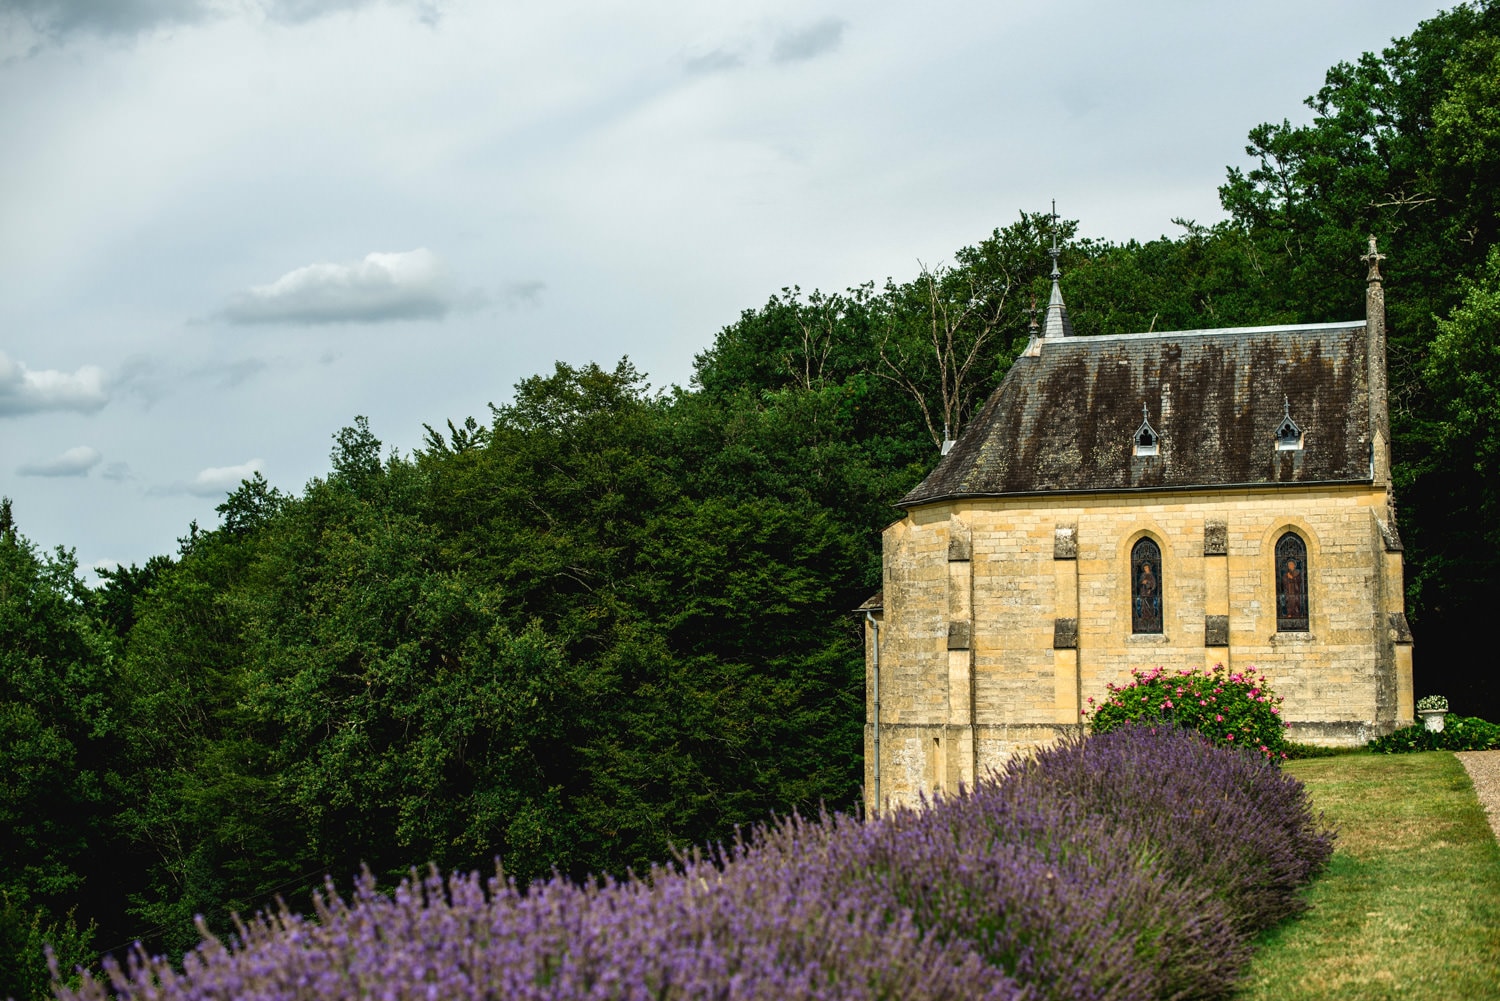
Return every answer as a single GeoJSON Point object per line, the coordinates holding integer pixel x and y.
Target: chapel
{"type": "Point", "coordinates": [1178, 499]}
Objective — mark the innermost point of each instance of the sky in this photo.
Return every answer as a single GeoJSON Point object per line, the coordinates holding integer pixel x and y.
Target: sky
{"type": "Point", "coordinates": [227, 227]}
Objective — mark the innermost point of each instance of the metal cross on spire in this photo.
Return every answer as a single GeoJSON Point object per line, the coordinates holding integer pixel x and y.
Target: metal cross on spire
{"type": "Point", "coordinates": [1056, 273]}
{"type": "Point", "coordinates": [1056, 322]}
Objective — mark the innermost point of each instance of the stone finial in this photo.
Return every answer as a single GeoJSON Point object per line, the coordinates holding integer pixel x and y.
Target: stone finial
{"type": "Point", "coordinates": [1374, 257]}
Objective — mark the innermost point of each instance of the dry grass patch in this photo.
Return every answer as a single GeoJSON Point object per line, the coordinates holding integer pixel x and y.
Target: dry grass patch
{"type": "Point", "coordinates": [1410, 906]}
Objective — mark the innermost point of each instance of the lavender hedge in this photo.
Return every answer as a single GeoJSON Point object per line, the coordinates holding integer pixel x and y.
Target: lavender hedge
{"type": "Point", "coordinates": [1135, 864]}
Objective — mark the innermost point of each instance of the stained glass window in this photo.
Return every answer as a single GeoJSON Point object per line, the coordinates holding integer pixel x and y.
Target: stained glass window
{"type": "Point", "coordinates": [1145, 587]}
{"type": "Point", "coordinates": [1291, 584]}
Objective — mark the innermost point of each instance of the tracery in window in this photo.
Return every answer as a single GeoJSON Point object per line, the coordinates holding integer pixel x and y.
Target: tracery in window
{"type": "Point", "coordinates": [1145, 587]}
{"type": "Point", "coordinates": [1291, 584]}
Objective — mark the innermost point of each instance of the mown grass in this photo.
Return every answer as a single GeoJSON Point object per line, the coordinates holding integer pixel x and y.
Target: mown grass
{"type": "Point", "coordinates": [1409, 906]}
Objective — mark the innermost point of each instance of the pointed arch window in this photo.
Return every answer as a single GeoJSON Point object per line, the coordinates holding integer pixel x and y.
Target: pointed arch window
{"type": "Point", "coordinates": [1145, 587]}
{"type": "Point", "coordinates": [1291, 584]}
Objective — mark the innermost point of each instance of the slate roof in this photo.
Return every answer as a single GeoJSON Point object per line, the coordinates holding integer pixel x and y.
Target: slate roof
{"type": "Point", "coordinates": [1065, 420]}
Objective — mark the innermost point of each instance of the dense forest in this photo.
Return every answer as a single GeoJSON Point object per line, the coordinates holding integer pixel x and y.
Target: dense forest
{"type": "Point", "coordinates": [605, 619]}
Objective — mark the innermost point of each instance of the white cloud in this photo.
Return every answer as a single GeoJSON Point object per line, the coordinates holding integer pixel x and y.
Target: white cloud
{"type": "Point", "coordinates": [403, 286]}
{"type": "Point", "coordinates": [218, 480]}
{"type": "Point", "coordinates": [26, 391]}
{"type": "Point", "coordinates": [76, 461]}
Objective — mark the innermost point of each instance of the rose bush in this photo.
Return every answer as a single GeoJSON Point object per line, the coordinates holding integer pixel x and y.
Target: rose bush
{"type": "Point", "coordinates": [1233, 708]}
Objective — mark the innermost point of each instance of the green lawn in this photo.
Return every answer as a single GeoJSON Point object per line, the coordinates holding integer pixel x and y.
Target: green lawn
{"type": "Point", "coordinates": [1409, 907]}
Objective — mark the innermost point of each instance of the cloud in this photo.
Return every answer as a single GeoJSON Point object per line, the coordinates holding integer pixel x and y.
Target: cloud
{"type": "Point", "coordinates": [221, 479]}
{"type": "Point", "coordinates": [403, 286]}
{"type": "Point", "coordinates": [800, 44]}
{"type": "Point", "coordinates": [119, 472]}
{"type": "Point", "coordinates": [61, 19]}
{"type": "Point", "coordinates": [75, 461]}
{"type": "Point", "coordinates": [525, 293]}
{"type": "Point", "coordinates": [27, 391]}
{"type": "Point", "coordinates": [215, 481]}
{"type": "Point", "coordinates": [299, 11]}
{"type": "Point", "coordinates": [717, 61]}
{"type": "Point", "coordinates": [227, 375]}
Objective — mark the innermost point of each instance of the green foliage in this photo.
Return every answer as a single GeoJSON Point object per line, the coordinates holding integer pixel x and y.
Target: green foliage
{"type": "Point", "coordinates": [1459, 733]}
{"type": "Point", "coordinates": [57, 752]}
{"type": "Point", "coordinates": [25, 936]}
{"type": "Point", "coordinates": [1233, 708]}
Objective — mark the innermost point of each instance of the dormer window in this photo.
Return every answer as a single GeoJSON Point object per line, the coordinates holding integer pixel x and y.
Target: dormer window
{"type": "Point", "coordinates": [1288, 435]}
{"type": "Point", "coordinates": [1146, 438]}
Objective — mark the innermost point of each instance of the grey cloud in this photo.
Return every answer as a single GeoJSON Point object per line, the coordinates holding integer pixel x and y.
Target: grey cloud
{"type": "Point", "coordinates": [525, 293]}
{"type": "Point", "coordinates": [58, 18]}
{"type": "Point", "coordinates": [402, 286]}
{"type": "Point", "coordinates": [231, 374]}
{"type": "Point", "coordinates": [301, 11]}
{"type": "Point", "coordinates": [143, 378]}
{"type": "Point", "coordinates": [75, 461]}
{"type": "Point", "coordinates": [119, 472]}
{"type": "Point", "coordinates": [717, 61]}
{"type": "Point", "coordinates": [27, 391]}
{"type": "Point", "coordinates": [799, 44]}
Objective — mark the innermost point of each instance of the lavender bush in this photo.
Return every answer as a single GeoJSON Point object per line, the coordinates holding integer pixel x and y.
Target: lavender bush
{"type": "Point", "coordinates": [1131, 865]}
{"type": "Point", "coordinates": [1232, 821]}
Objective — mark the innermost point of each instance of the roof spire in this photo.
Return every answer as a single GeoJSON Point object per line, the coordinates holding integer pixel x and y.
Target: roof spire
{"type": "Point", "coordinates": [1057, 323]}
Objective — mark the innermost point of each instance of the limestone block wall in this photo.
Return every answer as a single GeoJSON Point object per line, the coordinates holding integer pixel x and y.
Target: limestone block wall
{"type": "Point", "coordinates": [1002, 616]}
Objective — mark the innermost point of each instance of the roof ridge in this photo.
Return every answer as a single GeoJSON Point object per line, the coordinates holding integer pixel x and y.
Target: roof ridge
{"type": "Point", "coordinates": [1269, 329]}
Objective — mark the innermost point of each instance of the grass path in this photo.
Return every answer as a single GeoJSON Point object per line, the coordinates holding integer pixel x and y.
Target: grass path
{"type": "Point", "coordinates": [1409, 907]}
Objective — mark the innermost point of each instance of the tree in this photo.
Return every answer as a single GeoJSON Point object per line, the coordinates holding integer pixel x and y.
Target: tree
{"type": "Point", "coordinates": [57, 751]}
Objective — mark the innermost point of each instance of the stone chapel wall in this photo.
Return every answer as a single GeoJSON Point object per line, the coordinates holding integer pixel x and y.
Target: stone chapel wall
{"type": "Point", "coordinates": [1003, 616]}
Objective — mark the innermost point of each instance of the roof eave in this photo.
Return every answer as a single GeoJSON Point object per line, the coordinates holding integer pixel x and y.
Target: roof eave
{"type": "Point", "coordinates": [906, 503]}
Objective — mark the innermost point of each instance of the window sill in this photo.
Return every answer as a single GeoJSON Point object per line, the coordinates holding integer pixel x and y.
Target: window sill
{"type": "Point", "coordinates": [1147, 639]}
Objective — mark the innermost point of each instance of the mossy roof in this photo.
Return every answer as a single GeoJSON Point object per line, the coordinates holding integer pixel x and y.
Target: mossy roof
{"type": "Point", "coordinates": [1065, 420]}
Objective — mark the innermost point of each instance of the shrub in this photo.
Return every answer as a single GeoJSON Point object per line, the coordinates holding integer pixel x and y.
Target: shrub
{"type": "Point", "coordinates": [1228, 820]}
{"type": "Point", "coordinates": [1432, 703]}
{"type": "Point", "coordinates": [1103, 870]}
{"type": "Point", "coordinates": [1236, 709]}
{"type": "Point", "coordinates": [1460, 733]}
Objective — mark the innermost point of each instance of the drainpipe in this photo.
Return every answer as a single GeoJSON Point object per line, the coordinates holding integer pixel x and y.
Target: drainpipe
{"type": "Point", "coordinates": [875, 639]}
